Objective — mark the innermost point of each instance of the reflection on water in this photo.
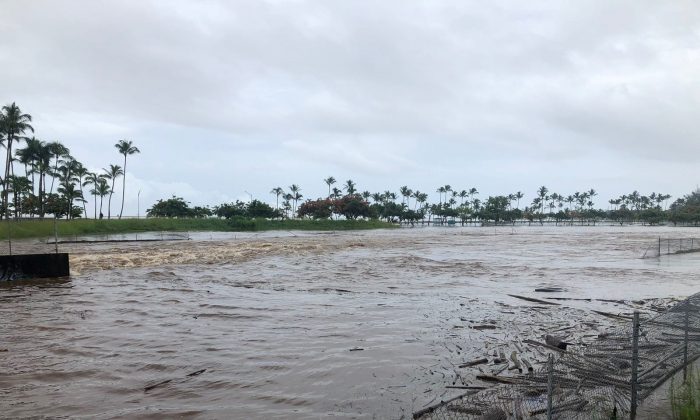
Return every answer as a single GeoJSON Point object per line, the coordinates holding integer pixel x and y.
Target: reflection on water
{"type": "Point", "coordinates": [290, 324]}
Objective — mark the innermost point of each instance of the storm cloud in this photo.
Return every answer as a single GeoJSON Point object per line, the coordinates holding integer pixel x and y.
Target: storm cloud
{"type": "Point", "coordinates": [224, 97]}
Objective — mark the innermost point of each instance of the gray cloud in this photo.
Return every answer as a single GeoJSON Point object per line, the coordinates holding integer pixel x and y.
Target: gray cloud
{"type": "Point", "coordinates": [227, 96]}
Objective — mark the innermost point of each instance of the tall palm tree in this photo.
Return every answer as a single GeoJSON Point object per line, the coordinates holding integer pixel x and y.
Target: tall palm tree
{"type": "Point", "coordinates": [126, 148]}
{"type": "Point", "coordinates": [349, 186]}
{"type": "Point", "coordinates": [440, 191]}
{"type": "Point", "coordinates": [80, 173]}
{"type": "Point", "coordinates": [518, 196]}
{"type": "Point", "coordinates": [13, 124]}
{"type": "Point", "coordinates": [112, 173]}
{"type": "Point", "coordinates": [101, 189]}
{"type": "Point", "coordinates": [92, 179]}
{"type": "Point", "coordinates": [542, 193]}
{"type": "Point", "coordinates": [277, 191]}
{"type": "Point", "coordinates": [295, 196]}
{"type": "Point", "coordinates": [42, 167]}
{"type": "Point", "coordinates": [58, 151]}
{"type": "Point", "coordinates": [329, 181]}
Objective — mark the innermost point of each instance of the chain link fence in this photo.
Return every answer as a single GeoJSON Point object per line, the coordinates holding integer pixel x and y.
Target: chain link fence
{"type": "Point", "coordinates": [605, 379]}
{"type": "Point", "coordinates": [671, 246]}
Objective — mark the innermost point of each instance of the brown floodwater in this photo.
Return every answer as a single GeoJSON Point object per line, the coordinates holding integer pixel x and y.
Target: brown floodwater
{"type": "Point", "coordinates": [303, 325]}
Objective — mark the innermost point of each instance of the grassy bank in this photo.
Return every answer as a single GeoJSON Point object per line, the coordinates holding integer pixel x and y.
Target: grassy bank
{"type": "Point", "coordinates": [45, 228]}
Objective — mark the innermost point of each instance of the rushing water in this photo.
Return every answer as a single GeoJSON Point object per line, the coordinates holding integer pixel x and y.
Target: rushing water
{"type": "Point", "coordinates": [292, 325]}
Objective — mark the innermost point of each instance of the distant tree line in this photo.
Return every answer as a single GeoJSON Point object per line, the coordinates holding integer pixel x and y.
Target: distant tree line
{"type": "Point", "coordinates": [29, 193]}
{"type": "Point", "coordinates": [454, 207]}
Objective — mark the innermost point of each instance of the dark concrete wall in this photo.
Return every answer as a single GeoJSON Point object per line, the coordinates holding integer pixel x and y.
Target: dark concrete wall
{"type": "Point", "coordinates": [16, 267]}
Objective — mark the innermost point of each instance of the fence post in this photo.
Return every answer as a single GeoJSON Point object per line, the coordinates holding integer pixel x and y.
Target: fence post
{"type": "Point", "coordinates": [659, 246]}
{"type": "Point", "coordinates": [55, 233]}
{"type": "Point", "coordinates": [9, 234]}
{"type": "Point", "coordinates": [635, 364]}
{"type": "Point", "coordinates": [685, 344]}
{"type": "Point", "coordinates": [550, 385]}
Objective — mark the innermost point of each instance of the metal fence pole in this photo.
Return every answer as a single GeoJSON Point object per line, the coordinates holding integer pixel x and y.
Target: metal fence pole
{"type": "Point", "coordinates": [9, 235]}
{"type": "Point", "coordinates": [55, 233]}
{"type": "Point", "coordinates": [635, 365]}
{"type": "Point", "coordinates": [685, 344]}
{"type": "Point", "coordinates": [550, 385]}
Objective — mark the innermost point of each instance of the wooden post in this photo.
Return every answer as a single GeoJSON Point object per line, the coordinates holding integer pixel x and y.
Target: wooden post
{"type": "Point", "coordinates": [635, 365]}
{"type": "Point", "coordinates": [659, 246]}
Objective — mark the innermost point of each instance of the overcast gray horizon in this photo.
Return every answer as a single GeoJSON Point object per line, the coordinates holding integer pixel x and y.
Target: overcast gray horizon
{"type": "Point", "coordinates": [229, 97]}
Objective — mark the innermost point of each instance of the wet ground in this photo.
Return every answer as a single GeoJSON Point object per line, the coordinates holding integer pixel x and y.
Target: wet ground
{"type": "Point", "coordinates": [305, 325]}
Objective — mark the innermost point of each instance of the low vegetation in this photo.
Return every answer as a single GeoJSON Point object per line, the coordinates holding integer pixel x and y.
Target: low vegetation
{"type": "Point", "coordinates": [685, 398]}
{"type": "Point", "coordinates": [78, 227]}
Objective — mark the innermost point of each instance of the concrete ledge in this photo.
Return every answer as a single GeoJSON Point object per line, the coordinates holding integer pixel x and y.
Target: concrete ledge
{"type": "Point", "coordinates": [30, 266]}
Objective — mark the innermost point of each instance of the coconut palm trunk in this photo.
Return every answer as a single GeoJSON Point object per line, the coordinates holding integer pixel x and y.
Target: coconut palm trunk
{"type": "Point", "coordinates": [121, 210]}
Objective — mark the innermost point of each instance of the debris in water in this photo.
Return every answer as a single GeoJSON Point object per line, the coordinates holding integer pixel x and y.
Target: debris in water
{"type": "Point", "coordinates": [529, 299]}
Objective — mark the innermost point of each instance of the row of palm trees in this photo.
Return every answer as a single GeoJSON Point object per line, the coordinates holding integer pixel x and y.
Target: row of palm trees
{"type": "Point", "coordinates": [464, 204]}
{"type": "Point", "coordinates": [31, 193]}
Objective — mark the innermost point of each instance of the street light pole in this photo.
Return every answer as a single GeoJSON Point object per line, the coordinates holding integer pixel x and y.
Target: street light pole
{"type": "Point", "coordinates": [249, 194]}
{"type": "Point", "coordinates": [138, 205]}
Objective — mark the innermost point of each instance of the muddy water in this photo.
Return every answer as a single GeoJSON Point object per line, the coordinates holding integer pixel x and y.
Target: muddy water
{"type": "Point", "coordinates": [291, 325]}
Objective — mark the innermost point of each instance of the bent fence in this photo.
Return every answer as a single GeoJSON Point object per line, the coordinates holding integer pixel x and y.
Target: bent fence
{"type": "Point", "coordinates": [670, 246]}
{"type": "Point", "coordinates": [607, 379]}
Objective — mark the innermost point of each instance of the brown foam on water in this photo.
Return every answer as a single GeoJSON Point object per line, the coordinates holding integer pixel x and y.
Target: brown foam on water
{"type": "Point", "coordinates": [85, 259]}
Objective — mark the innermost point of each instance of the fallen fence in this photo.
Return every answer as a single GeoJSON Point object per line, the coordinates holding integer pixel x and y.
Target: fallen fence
{"type": "Point", "coordinates": [606, 379]}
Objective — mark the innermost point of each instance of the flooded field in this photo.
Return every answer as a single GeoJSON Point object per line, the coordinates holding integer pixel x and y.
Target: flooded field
{"type": "Point", "coordinates": [306, 325]}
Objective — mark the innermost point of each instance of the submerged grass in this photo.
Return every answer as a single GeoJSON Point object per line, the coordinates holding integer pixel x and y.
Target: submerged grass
{"type": "Point", "coordinates": [79, 227]}
{"type": "Point", "coordinates": [685, 398]}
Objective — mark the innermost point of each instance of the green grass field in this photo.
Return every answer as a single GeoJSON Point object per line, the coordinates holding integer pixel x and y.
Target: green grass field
{"type": "Point", "coordinates": [45, 228]}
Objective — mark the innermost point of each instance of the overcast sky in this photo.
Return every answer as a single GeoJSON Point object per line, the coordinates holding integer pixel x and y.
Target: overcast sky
{"type": "Point", "coordinates": [224, 97]}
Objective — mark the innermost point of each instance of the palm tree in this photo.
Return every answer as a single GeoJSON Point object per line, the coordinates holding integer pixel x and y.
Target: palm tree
{"type": "Point", "coordinates": [126, 148]}
{"type": "Point", "coordinates": [58, 151]}
{"type": "Point", "coordinates": [591, 194]}
{"type": "Point", "coordinates": [286, 204]}
{"type": "Point", "coordinates": [295, 196]}
{"type": "Point", "coordinates": [329, 181]}
{"type": "Point", "coordinates": [42, 167]}
{"type": "Point", "coordinates": [92, 179]}
{"type": "Point", "coordinates": [518, 196]}
{"type": "Point", "coordinates": [440, 191]}
{"type": "Point", "coordinates": [112, 173]}
{"type": "Point", "coordinates": [349, 186]}
{"type": "Point", "coordinates": [542, 193]}
{"type": "Point", "coordinates": [277, 191]}
{"type": "Point", "coordinates": [13, 124]}
{"type": "Point", "coordinates": [101, 189]}
{"type": "Point", "coordinates": [67, 188]}
{"type": "Point", "coordinates": [80, 171]}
